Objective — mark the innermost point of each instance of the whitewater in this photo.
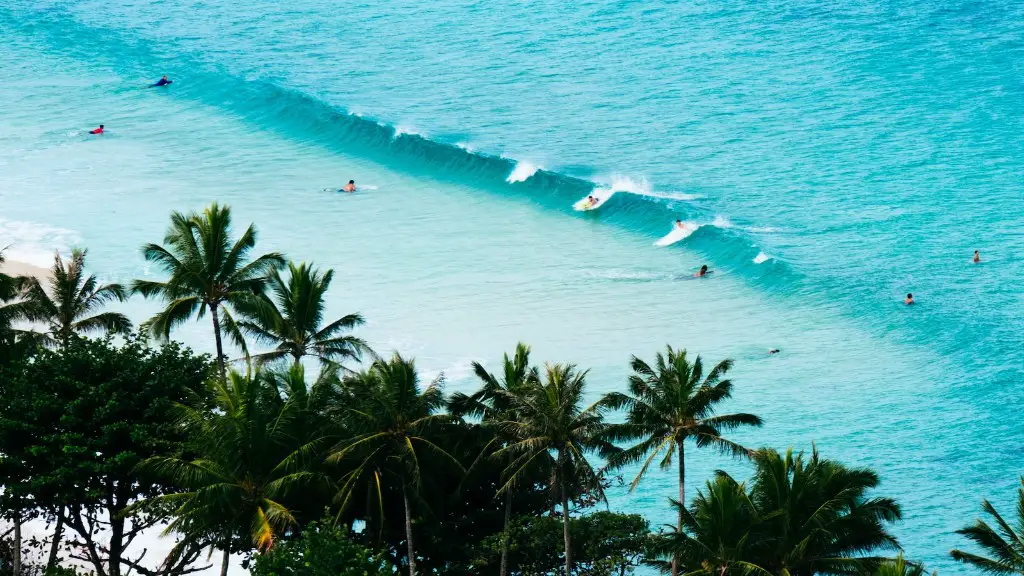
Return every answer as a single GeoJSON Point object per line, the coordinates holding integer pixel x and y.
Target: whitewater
{"type": "Point", "coordinates": [824, 159]}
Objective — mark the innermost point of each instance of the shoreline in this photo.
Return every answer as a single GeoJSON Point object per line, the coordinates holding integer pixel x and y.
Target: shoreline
{"type": "Point", "coordinates": [16, 268]}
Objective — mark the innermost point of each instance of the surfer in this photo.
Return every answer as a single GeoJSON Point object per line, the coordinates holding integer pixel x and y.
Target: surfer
{"type": "Point", "coordinates": [161, 82]}
{"type": "Point", "coordinates": [679, 224]}
{"type": "Point", "coordinates": [350, 187]}
{"type": "Point", "coordinates": [773, 351]}
{"type": "Point", "coordinates": [977, 257]}
{"type": "Point", "coordinates": [703, 271]}
{"type": "Point", "coordinates": [591, 200]}
{"type": "Point", "coordinates": [909, 299]}
{"type": "Point", "coordinates": [97, 131]}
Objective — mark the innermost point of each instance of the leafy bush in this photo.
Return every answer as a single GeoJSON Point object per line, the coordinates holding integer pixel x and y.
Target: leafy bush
{"type": "Point", "coordinates": [322, 549]}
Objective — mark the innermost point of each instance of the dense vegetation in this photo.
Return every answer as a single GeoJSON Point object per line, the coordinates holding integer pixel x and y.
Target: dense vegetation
{"type": "Point", "coordinates": [315, 456]}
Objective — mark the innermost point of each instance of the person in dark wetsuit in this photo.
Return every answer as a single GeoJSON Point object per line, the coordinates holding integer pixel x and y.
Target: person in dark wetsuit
{"type": "Point", "coordinates": [97, 131]}
{"type": "Point", "coordinates": [161, 82]}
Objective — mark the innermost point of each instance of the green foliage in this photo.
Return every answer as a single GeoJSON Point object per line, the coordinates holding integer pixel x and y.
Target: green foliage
{"type": "Point", "coordinates": [799, 516]}
{"type": "Point", "coordinates": [208, 271]}
{"type": "Point", "coordinates": [252, 454]}
{"type": "Point", "coordinates": [605, 544]}
{"type": "Point", "coordinates": [322, 549]}
{"type": "Point", "coordinates": [898, 566]}
{"type": "Point", "coordinates": [1003, 543]}
{"type": "Point", "coordinates": [70, 304]}
{"type": "Point", "coordinates": [76, 422]}
{"type": "Point", "coordinates": [292, 321]}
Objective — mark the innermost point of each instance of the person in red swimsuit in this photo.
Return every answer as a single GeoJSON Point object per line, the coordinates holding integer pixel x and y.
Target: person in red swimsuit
{"type": "Point", "coordinates": [97, 131]}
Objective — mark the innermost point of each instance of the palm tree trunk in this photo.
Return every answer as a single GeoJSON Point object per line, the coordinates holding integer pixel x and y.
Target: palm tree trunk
{"type": "Point", "coordinates": [504, 534]}
{"type": "Point", "coordinates": [17, 544]}
{"type": "Point", "coordinates": [408, 531]}
{"type": "Point", "coordinates": [58, 531]}
{"type": "Point", "coordinates": [682, 500]}
{"type": "Point", "coordinates": [220, 346]}
{"type": "Point", "coordinates": [565, 517]}
{"type": "Point", "coordinates": [225, 559]}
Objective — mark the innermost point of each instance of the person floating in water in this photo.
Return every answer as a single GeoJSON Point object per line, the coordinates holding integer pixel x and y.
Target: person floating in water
{"type": "Point", "coordinates": [909, 299]}
{"type": "Point", "coordinates": [977, 257]}
{"type": "Point", "coordinates": [350, 187]}
{"type": "Point", "coordinates": [97, 131]}
{"type": "Point", "coordinates": [161, 82]}
{"type": "Point", "coordinates": [703, 271]}
{"type": "Point", "coordinates": [773, 351]}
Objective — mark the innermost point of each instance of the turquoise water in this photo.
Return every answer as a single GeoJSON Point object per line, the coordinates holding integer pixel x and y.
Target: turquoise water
{"type": "Point", "coordinates": [834, 156]}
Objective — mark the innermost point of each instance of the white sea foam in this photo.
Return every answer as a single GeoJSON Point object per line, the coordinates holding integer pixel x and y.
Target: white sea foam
{"type": "Point", "coordinates": [761, 258]}
{"type": "Point", "coordinates": [721, 222]}
{"type": "Point", "coordinates": [34, 243]}
{"type": "Point", "coordinates": [466, 146]}
{"type": "Point", "coordinates": [678, 233]}
{"type": "Point", "coordinates": [403, 130]}
{"type": "Point", "coordinates": [522, 171]}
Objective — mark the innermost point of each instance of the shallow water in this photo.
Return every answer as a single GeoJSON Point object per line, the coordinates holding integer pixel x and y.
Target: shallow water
{"type": "Point", "coordinates": [834, 156]}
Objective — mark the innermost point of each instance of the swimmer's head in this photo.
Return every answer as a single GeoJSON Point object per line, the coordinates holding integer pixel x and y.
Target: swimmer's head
{"type": "Point", "coordinates": [704, 268]}
{"type": "Point", "coordinates": [165, 76]}
{"type": "Point", "coordinates": [101, 125]}
{"type": "Point", "coordinates": [351, 181]}
{"type": "Point", "coordinates": [679, 221]}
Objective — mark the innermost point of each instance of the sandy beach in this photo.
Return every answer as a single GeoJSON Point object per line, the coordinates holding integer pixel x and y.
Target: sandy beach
{"type": "Point", "coordinates": [14, 268]}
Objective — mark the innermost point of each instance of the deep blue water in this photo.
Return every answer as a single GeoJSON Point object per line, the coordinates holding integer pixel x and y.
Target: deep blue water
{"type": "Point", "coordinates": [830, 157]}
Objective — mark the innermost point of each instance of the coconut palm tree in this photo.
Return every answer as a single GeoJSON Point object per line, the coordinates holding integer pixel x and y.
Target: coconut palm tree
{"type": "Point", "coordinates": [718, 536]}
{"type": "Point", "coordinates": [1003, 543]}
{"type": "Point", "coordinates": [899, 566]}
{"type": "Point", "coordinates": [666, 406]}
{"type": "Point", "coordinates": [551, 429]}
{"type": "Point", "coordinates": [208, 271]}
{"type": "Point", "coordinates": [819, 518]}
{"type": "Point", "coordinates": [393, 426]}
{"type": "Point", "coordinates": [492, 403]}
{"type": "Point", "coordinates": [70, 304]}
{"type": "Point", "coordinates": [246, 474]}
{"type": "Point", "coordinates": [292, 322]}
{"type": "Point", "coordinates": [13, 308]}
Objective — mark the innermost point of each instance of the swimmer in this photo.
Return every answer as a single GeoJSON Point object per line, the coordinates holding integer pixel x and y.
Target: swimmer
{"type": "Point", "coordinates": [350, 187]}
{"type": "Point", "coordinates": [591, 200]}
{"type": "Point", "coordinates": [97, 131]}
{"type": "Point", "coordinates": [773, 351]}
{"type": "Point", "coordinates": [703, 271]}
{"type": "Point", "coordinates": [909, 299]}
{"type": "Point", "coordinates": [977, 257]}
{"type": "Point", "coordinates": [679, 224]}
{"type": "Point", "coordinates": [161, 82]}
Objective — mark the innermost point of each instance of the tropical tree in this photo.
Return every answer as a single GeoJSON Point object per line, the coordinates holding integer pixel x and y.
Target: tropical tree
{"type": "Point", "coordinates": [208, 271]}
{"type": "Point", "coordinates": [1003, 543]}
{"type": "Point", "coordinates": [819, 518]}
{"type": "Point", "coordinates": [237, 490]}
{"type": "Point", "coordinates": [668, 404]}
{"type": "Point", "coordinates": [292, 322]}
{"type": "Point", "coordinates": [69, 306]}
{"type": "Point", "coordinates": [899, 566]}
{"type": "Point", "coordinates": [718, 535]}
{"type": "Point", "coordinates": [551, 429]}
{"type": "Point", "coordinates": [13, 342]}
{"type": "Point", "coordinates": [392, 424]}
{"type": "Point", "coordinates": [493, 403]}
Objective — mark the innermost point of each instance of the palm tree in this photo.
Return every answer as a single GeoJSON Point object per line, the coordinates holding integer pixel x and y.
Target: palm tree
{"type": "Point", "coordinates": [900, 567]}
{"type": "Point", "coordinates": [1004, 543]}
{"type": "Point", "coordinates": [492, 403]}
{"type": "Point", "coordinates": [552, 430]}
{"type": "Point", "coordinates": [69, 306]}
{"type": "Point", "coordinates": [247, 471]}
{"type": "Point", "coordinates": [294, 323]}
{"type": "Point", "coordinates": [208, 271]}
{"type": "Point", "coordinates": [718, 535]}
{"type": "Point", "coordinates": [668, 405]}
{"type": "Point", "coordinates": [393, 425]}
{"type": "Point", "coordinates": [820, 519]}
{"type": "Point", "coordinates": [13, 308]}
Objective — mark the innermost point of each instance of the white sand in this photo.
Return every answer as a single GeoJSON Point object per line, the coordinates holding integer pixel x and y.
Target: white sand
{"type": "Point", "coordinates": [13, 268]}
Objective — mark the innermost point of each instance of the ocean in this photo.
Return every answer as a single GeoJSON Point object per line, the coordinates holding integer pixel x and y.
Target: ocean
{"type": "Point", "coordinates": [826, 158]}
